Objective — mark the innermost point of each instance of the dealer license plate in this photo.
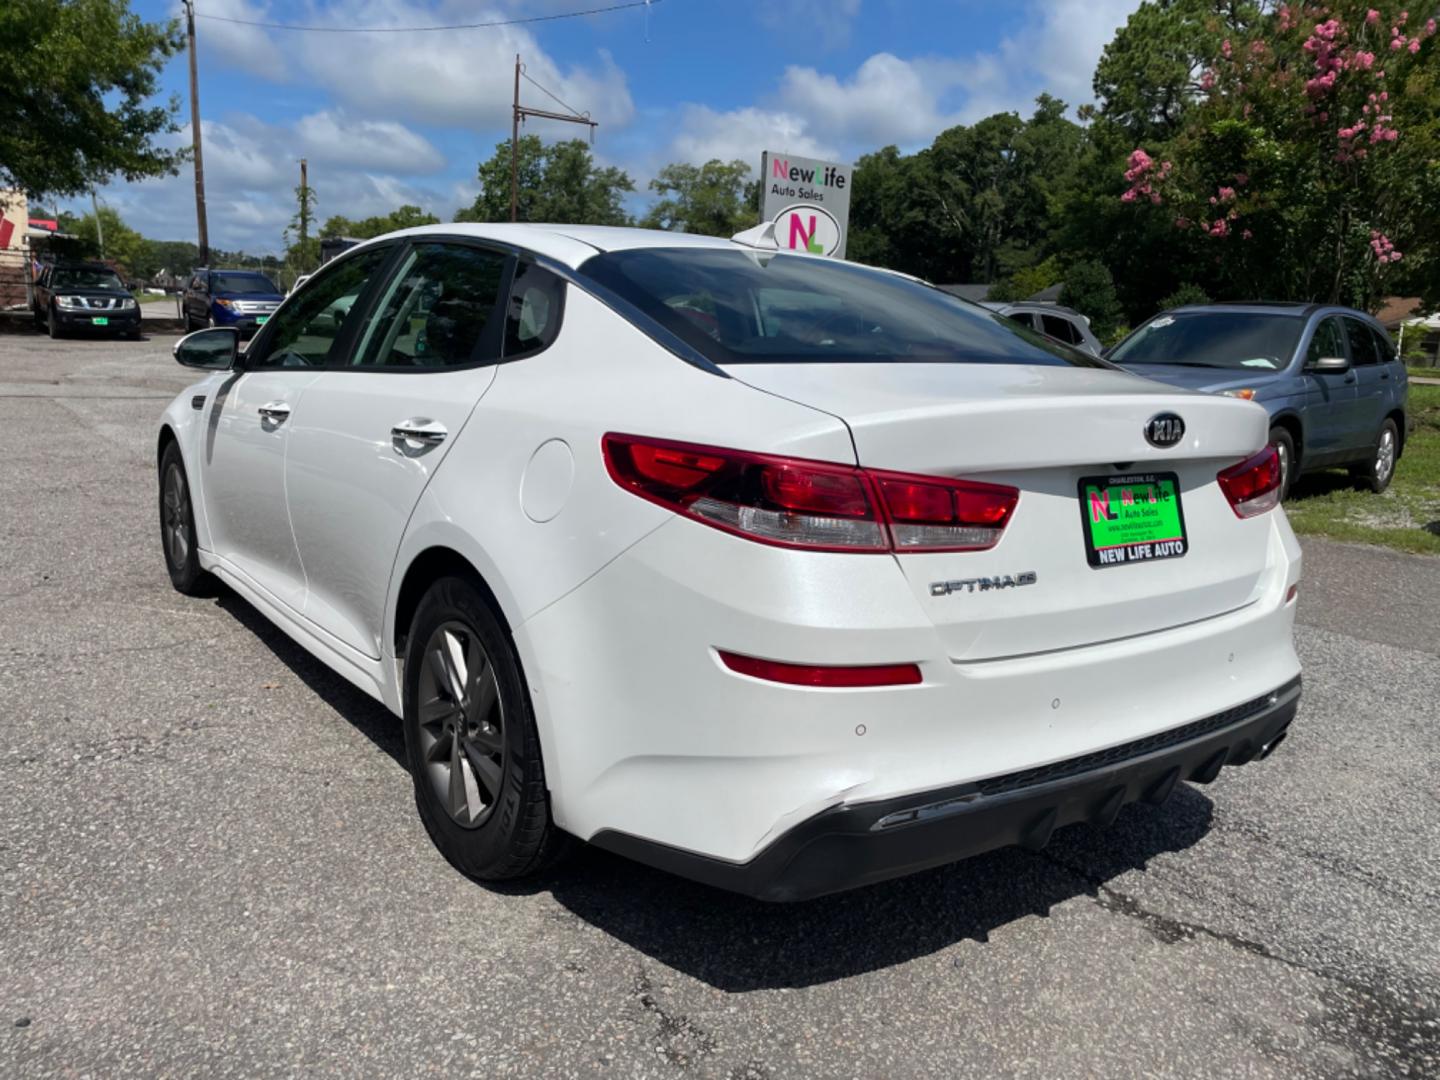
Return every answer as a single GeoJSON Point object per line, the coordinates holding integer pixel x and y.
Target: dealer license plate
{"type": "Point", "coordinates": [260, 319]}
{"type": "Point", "coordinates": [100, 320]}
{"type": "Point", "coordinates": [1132, 518]}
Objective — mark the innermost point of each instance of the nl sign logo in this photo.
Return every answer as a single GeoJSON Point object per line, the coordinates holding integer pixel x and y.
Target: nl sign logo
{"type": "Point", "coordinates": [809, 202]}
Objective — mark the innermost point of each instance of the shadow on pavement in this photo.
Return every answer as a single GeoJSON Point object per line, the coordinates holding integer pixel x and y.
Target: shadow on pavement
{"type": "Point", "coordinates": [364, 713]}
{"type": "Point", "coordinates": [734, 943]}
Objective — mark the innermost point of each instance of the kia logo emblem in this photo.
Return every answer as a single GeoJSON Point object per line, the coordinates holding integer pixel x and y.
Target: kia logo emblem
{"type": "Point", "coordinates": [1164, 430]}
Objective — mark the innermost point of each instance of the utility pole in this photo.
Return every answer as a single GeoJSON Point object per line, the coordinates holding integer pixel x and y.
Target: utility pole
{"type": "Point", "coordinates": [304, 196]}
{"type": "Point", "coordinates": [204, 232]}
{"type": "Point", "coordinates": [99, 227]}
{"type": "Point", "coordinates": [517, 114]}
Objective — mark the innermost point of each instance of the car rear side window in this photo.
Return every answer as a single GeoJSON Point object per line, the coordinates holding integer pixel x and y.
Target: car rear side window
{"type": "Point", "coordinates": [1060, 328]}
{"type": "Point", "coordinates": [754, 307]}
{"type": "Point", "coordinates": [438, 310]}
{"type": "Point", "coordinates": [1362, 344]}
{"type": "Point", "coordinates": [1384, 347]}
{"type": "Point", "coordinates": [304, 332]}
{"type": "Point", "coordinates": [532, 320]}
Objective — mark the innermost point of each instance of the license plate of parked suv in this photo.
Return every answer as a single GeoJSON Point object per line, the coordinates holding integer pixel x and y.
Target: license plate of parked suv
{"type": "Point", "coordinates": [1132, 518]}
{"type": "Point", "coordinates": [100, 320]}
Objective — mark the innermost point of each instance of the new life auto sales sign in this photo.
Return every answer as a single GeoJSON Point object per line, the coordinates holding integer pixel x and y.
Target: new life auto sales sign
{"type": "Point", "coordinates": [808, 200]}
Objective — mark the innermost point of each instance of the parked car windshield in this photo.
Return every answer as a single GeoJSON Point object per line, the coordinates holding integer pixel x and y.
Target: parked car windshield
{"type": "Point", "coordinates": [85, 277]}
{"type": "Point", "coordinates": [1243, 340]}
{"type": "Point", "coordinates": [242, 283]}
{"type": "Point", "coordinates": [738, 307]}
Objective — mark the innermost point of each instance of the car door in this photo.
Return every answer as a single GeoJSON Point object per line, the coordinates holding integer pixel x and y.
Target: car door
{"type": "Point", "coordinates": [249, 424]}
{"type": "Point", "coordinates": [1330, 400]}
{"type": "Point", "coordinates": [1372, 376]}
{"type": "Point", "coordinates": [374, 430]}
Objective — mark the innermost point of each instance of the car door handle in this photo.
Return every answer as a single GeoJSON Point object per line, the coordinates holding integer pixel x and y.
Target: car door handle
{"type": "Point", "coordinates": [276, 412]}
{"type": "Point", "coordinates": [1385, 376]}
{"type": "Point", "coordinates": [417, 431]}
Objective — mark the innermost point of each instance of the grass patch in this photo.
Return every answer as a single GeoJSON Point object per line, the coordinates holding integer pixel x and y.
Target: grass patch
{"type": "Point", "coordinates": [1423, 372]}
{"type": "Point", "coordinates": [1405, 517]}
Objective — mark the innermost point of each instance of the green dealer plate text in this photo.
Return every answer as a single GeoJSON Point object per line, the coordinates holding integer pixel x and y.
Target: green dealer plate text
{"type": "Point", "coordinates": [1132, 518]}
{"type": "Point", "coordinates": [100, 320]}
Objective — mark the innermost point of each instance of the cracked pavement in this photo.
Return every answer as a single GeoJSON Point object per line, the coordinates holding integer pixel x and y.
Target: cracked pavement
{"type": "Point", "coordinates": [211, 864]}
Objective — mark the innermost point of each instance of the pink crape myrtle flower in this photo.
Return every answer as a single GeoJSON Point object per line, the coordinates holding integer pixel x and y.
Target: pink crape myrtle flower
{"type": "Point", "coordinates": [1372, 17]}
{"type": "Point", "coordinates": [1414, 45]}
{"type": "Point", "coordinates": [1221, 227]}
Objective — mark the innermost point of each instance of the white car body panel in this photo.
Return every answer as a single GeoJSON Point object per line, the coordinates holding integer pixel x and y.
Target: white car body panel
{"type": "Point", "coordinates": [618, 606]}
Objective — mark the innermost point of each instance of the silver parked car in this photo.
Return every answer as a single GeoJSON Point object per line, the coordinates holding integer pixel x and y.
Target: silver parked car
{"type": "Point", "coordinates": [1053, 320]}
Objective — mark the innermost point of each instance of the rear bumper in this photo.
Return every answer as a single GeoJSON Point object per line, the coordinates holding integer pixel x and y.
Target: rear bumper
{"type": "Point", "coordinates": [857, 844]}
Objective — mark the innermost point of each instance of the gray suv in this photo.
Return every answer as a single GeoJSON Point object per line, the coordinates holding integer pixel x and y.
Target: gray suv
{"type": "Point", "coordinates": [1329, 377]}
{"type": "Point", "coordinates": [1053, 320]}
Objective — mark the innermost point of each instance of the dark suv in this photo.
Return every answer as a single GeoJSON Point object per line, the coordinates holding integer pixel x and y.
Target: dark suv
{"type": "Point", "coordinates": [84, 297]}
{"type": "Point", "coordinates": [244, 299]}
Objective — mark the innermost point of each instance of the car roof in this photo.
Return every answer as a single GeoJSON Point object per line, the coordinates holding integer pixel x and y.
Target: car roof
{"type": "Point", "coordinates": [74, 265]}
{"type": "Point", "coordinates": [570, 244]}
{"type": "Point", "coordinates": [1293, 309]}
{"type": "Point", "coordinates": [238, 273]}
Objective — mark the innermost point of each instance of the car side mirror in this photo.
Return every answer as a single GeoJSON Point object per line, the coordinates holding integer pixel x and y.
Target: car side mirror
{"type": "Point", "coordinates": [1332, 364]}
{"type": "Point", "coordinates": [215, 349]}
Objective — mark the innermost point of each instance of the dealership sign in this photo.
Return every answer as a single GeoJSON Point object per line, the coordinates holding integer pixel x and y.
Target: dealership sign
{"type": "Point", "coordinates": [808, 200]}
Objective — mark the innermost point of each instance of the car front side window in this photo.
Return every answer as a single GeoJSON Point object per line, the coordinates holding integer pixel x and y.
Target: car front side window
{"type": "Point", "coordinates": [1326, 342]}
{"type": "Point", "coordinates": [305, 332]}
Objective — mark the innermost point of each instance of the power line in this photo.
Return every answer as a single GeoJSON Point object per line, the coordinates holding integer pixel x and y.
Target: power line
{"type": "Point", "coordinates": [424, 29]}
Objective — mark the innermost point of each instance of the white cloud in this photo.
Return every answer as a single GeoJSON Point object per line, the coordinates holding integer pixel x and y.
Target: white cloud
{"type": "Point", "coordinates": [826, 23]}
{"type": "Point", "coordinates": [741, 133]}
{"type": "Point", "coordinates": [233, 44]}
{"type": "Point", "coordinates": [887, 100]}
{"type": "Point", "coordinates": [459, 78]}
{"type": "Point", "coordinates": [1056, 52]}
{"type": "Point", "coordinates": [357, 168]}
{"type": "Point", "coordinates": [335, 138]}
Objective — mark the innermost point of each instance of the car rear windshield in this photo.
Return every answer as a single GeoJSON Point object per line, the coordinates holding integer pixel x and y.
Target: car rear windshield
{"type": "Point", "coordinates": [83, 277]}
{"type": "Point", "coordinates": [1220, 339]}
{"type": "Point", "coordinates": [739, 307]}
{"type": "Point", "coordinates": [242, 283]}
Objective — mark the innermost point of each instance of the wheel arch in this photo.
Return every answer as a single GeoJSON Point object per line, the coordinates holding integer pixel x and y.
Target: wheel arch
{"type": "Point", "coordinates": [427, 567]}
{"type": "Point", "coordinates": [166, 437]}
{"type": "Point", "coordinates": [1397, 414]}
{"type": "Point", "coordinates": [1293, 426]}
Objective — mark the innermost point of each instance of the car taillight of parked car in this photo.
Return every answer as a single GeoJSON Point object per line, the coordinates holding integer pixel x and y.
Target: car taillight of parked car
{"type": "Point", "coordinates": [815, 505]}
{"type": "Point", "coordinates": [1253, 486]}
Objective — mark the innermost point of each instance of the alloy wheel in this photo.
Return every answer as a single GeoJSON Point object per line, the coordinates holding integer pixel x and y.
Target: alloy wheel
{"type": "Point", "coordinates": [175, 516]}
{"type": "Point", "coordinates": [462, 724]}
{"type": "Point", "coordinates": [1284, 453]}
{"type": "Point", "coordinates": [1385, 455]}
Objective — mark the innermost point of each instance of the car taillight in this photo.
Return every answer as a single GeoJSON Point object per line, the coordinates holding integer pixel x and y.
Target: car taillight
{"type": "Point", "coordinates": [811, 504]}
{"type": "Point", "coordinates": [1253, 486]}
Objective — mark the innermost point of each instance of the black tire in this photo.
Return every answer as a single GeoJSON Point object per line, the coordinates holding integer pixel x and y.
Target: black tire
{"type": "Point", "coordinates": [189, 325]}
{"type": "Point", "coordinates": [52, 325]}
{"type": "Point", "coordinates": [177, 526]}
{"type": "Point", "coordinates": [493, 821]}
{"type": "Point", "coordinates": [1284, 446]}
{"type": "Point", "coordinates": [1379, 470]}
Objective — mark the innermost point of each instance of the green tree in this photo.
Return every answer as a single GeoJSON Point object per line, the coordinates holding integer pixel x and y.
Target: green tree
{"type": "Point", "coordinates": [404, 217]}
{"type": "Point", "coordinates": [122, 244]}
{"type": "Point", "coordinates": [1090, 290]}
{"type": "Point", "coordinates": [1187, 293]}
{"type": "Point", "coordinates": [708, 199]}
{"type": "Point", "coordinates": [1303, 166]}
{"type": "Point", "coordinates": [557, 183]}
{"type": "Point", "coordinates": [76, 81]}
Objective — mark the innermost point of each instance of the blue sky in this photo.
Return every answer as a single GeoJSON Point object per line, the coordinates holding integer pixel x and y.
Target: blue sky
{"type": "Point", "coordinates": [404, 117]}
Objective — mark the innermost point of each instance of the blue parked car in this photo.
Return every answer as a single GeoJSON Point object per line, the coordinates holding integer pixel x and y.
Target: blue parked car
{"type": "Point", "coordinates": [244, 299]}
{"type": "Point", "coordinates": [1329, 377]}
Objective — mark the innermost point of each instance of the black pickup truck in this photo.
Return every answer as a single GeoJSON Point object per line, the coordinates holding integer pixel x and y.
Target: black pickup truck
{"type": "Point", "coordinates": [74, 297]}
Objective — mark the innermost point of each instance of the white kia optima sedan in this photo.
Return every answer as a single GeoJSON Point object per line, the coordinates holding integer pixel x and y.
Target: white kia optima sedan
{"type": "Point", "coordinates": [775, 571]}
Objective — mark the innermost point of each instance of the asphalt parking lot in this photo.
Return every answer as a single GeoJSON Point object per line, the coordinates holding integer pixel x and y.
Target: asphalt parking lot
{"type": "Point", "coordinates": [210, 864]}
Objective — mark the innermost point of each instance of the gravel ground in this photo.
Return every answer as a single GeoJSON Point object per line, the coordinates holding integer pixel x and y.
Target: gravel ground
{"type": "Point", "coordinates": [211, 866]}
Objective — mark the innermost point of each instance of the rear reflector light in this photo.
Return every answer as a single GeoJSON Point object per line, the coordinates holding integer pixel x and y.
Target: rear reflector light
{"type": "Point", "coordinates": [822, 675]}
{"type": "Point", "coordinates": [818, 505]}
{"type": "Point", "coordinates": [1253, 486]}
